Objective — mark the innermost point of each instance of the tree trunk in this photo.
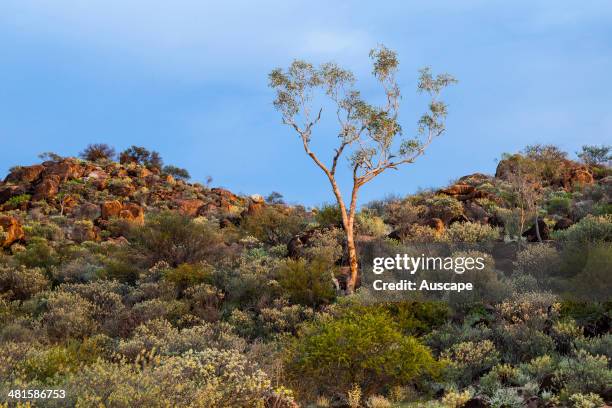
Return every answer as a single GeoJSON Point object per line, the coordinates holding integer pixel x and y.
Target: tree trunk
{"type": "Point", "coordinates": [353, 263]}
{"type": "Point", "coordinates": [537, 229]}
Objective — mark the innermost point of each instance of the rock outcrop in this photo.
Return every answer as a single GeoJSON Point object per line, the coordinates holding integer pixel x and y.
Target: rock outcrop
{"type": "Point", "coordinates": [189, 207]}
{"type": "Point", "coordinates": [25, 175]}
{"type": "Point", "coordinates": [531, 234]}
{"type": "Point", "coordinates": [11, 231]}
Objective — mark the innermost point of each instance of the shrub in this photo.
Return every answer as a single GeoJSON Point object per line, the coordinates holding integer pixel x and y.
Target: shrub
{"type": "Point", "coordinates": [186, 275]}
{"type": "Point", "coordinates": [587, 230]}
{"type": "Point", "coordinates": [329, 215]}
{"type": "Point", "coordinates": [38, 253]}
{"type": "Point", "coordinates": [282, 319]}
{"type": "Point", "coordinates": [208, 378]}
{"type": "Point", "coordinates": [403, 213]}
{"type": "Point", "coordinates": [308, 282]}
{"type": "Point", "coordinates": [371, 224]}
{"type": "Point", "coordinates": [161, 336]}
{"type": "Point", "coordinates": [204, 301]}
{"type": "Point", "coordinates": [21, 283]}
{"type": "Point", "coordinates": [177, 172]}
{"type": "Point", "coordinates": [98, 151]}
{"type": "Point", "coordinates": [140, 155]}
{"type": "Point", "coordinates": [586, 401]}
{"type": "Point", "coordinates": [540, 367]}
{"type": "Point", "coordinates": [416, 318]}
{"type": "Point", "coordinates": [175, 239]}
{"type": "Point", "coordinates": [455, 399]}
{"type": "Point", "coordinates": [48, 365]}
{"type": "Point", "coordinates": [325, 244]}
{"type": "Point", "coordinates": [538, 260]}
{"type": "Point", "coordinates": [421, 234]}
{"type": "Point", "coordinates": [584, 373]}
{"type": "Point", "coordinates": [273, 226]}
{"type": "Point", "coordinates": [16, 201]}
{"type": "Point", "coordinates": [77, 270]}
{"type": "Point", "coordinates": [531, 309]}
{"type": "Point", "coordinates": [107, 297]}
{"type": "Point", "coordinates": [505, 398]}
{"type": "Point", "coordinates": [469, 360]}
{"type": "Point", "coordinates": [378, 401]}
{"type": "Point", "coordinates": [559, 202]}
{"type": "Point", "coordinates": [444, 207]}
{"type": "Point", "coordinates": [69, 315]}
{"type": "Point", "coordinates": [156, 308]}
{"type": "Point", "coordinates": [471, 232]}
{"type": "Point", "coordinates": [520, 343]}
{"type": "Point", "coordinates": [596, 346]}
{"type": "Point", "coordinates": [365, 348]}
{"type": "Point", "coordinates": [353, 396]}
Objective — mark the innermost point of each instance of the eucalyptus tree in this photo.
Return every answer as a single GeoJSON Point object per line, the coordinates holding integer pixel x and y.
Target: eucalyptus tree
{"type": "Point", "coordinates": [369, 135]}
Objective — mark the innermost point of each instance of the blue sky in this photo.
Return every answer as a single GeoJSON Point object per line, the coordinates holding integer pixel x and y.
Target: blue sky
{"type": "Point", "coordinates": [189, 78]}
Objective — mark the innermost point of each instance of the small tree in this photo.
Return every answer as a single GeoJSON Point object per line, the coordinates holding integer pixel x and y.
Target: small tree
{"type": "Point", "coordinates": [526, 191]}
{"type": "Point", "coordinates": [98, 151]}
{"type": "Point", "coordinates": [142, 156]}
{"type": "Point", "coordinates": [177, 172]}
{"type": "Point", "coordinates": [596, 155]}
{"type": "Point", "coordinates": [368, 133]}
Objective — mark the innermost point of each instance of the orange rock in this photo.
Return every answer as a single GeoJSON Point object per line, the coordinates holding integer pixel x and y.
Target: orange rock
{"type": "Point", "coordinates": [67, 169]}
{"type": "Point", "coordinates": [169, 179]}
{"type": "Point", "coordinates": [581, 177]}
{"type": "Point", "coordinates": [189, 207]}
{"type": "Point", "coordinates": [133, 213]}
{"type": "Point", "coordinates": [12, 231]}
{"type": "Point", "coordinates": [26, 174]}
{"type": "Point", "coordinates": [47, 189]}
{"type": "Point", "coordinates": [436, 224]}
{"type": "Point", "coordinates": [98, 178]}
{"type": "Point", "coordinates": [255, 207]}
{"type": "Point", "coordinates": [224, 194]}
{"type": "Point", "coordinates": [111, 209]}
{"type": "Point", "coordinates": [458, 189]}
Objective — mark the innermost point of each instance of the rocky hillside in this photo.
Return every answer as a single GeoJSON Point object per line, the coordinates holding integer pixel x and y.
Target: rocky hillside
{"type": "Point", "coordinates": [89, 195]}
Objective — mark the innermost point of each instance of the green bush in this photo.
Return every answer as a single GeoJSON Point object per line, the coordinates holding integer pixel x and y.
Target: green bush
{"type": "Point", "coordinates": [69, 316]}
{"type": "Point", "coordinates": [538, 260]}
{"type": "Point", "coordinates": [590, 229]}
{"type": "Point", "coordinates": [16, 201]}
{"type": "Point", "coordinates": [329, 216]}
{"type": "Point", "coordinates": [21, 283]}
{"type": "Point", "coordinates": [416, 318]}
{"type": "Point", "coordinates": [364, 348]}
{"type": "Point", "coordinates": [584, 373]}
{"type": "Point", "coordinates": [469, 360]}
{"type": "Point", "coordinates": [371, 224]}
{"type": "Point", "coordinates": [38, 253]}
{"type": "Point", "coordinates": [444, 207]}
{"type": "Point", "coordinates": [273, 226]}
{"type": "Point", "coordinates": [175, 239]}
{"type": "Point", "coordinates": [308, 283]}
{"type": "Point", "coordinates": [209, 378]}
{"type": "Point", "coordinates": [471, 232]}
{"type": "Point", "coordinates": [186, 275]}
{"type": "Point", "coordinates": [596, 346]}
{"type": "Point", "coordinates": [559, 202]}
{"type": "Point", "coordinates": [325, 244]}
